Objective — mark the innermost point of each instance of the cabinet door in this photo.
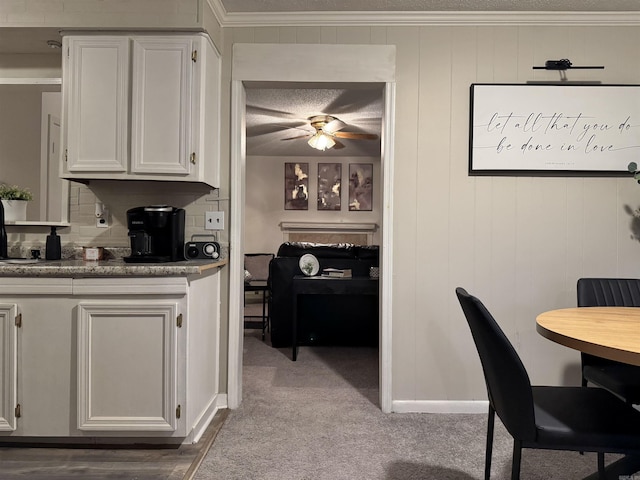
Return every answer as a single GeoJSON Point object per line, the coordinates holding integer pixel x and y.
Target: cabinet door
{"type": "Point", "coordinates": [98, 104]}
{"type": "Point", "coordinates": [161, 105]}
{"type": "Point", "coordinates": [127, 366]}
{"type": "Point", "coordinates": [8, 367]}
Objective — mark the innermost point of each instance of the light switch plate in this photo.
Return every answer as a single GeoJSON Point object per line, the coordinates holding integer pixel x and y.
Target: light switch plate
{"type": "Point", "coordinates": [214, 221]}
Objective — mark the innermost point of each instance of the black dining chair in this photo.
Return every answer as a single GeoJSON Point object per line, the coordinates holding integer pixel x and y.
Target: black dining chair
{"type": "Point", "coordinates": [256, 267]}
{"type": "Point", "coordinates": [544, 417]}
{"type": "Point", "coordinates": [617, 377]}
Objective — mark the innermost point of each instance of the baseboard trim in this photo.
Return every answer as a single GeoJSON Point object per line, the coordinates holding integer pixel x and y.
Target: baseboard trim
{"type": "Point", "coordinates": [440, 406]}
{"type": "Point", "coordinates": [206, 442]}
{"type": "Point", "coordinates": [217, 403]}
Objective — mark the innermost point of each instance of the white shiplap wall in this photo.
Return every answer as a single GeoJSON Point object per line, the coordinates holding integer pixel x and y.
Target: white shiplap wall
{"type": "Point", "coordinates": [519, 243]}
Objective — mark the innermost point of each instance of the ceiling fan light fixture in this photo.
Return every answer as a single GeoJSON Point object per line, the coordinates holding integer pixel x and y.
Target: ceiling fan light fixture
{"type": "Point", "coordinates": [321, 141]}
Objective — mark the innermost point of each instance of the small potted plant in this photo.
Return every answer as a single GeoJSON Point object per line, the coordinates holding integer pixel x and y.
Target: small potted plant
{"type": "Point", "coordinates": [14, 200]}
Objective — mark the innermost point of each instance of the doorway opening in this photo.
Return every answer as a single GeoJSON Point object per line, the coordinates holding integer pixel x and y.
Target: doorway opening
{"type": "Point", "coordinates": [341, 205]}
{"type": "Point", "coordinates": [260, 63]}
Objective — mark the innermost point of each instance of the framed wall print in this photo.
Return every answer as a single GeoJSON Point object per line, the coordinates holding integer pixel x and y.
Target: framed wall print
{"type": "Point", "coordinates": [329, 182]}
{"type": "Point", "coordinates": [296, 186]}
{"type": "Point", "coordinates": [360, 187]}
{"type": "Point", "coordinates": [552, 129]}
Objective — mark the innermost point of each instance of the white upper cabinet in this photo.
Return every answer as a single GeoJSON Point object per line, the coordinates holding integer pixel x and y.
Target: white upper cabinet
{"type": "Point", "coordinates": [97, 104]}
{"type": "Point", "coordinates": [134, 107]}
{"type": "Point", "coordinates": [161, 105]}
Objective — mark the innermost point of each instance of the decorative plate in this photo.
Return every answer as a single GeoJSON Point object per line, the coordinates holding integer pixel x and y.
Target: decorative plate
{"type": "Point", "coordinates": [309, 265]}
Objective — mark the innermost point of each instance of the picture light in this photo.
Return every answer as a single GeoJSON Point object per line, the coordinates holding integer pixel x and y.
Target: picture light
{"type": "Point", "coordinates": [563, 64]}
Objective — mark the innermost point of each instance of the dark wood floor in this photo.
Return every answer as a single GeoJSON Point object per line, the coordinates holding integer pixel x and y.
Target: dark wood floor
{"type": "Point", "coordinates": [166, 463]}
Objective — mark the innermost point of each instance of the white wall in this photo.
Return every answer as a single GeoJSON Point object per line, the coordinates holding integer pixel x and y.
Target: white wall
{"type": "Point", "coordinates": [20, 141]}
{"type": "Point", "coordinates": [264, 209]}
{"type": "Point", "coordinates": [519, 243]}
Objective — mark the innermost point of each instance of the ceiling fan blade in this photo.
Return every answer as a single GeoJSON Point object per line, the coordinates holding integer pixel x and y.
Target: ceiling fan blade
{"type": "Point", "coordinates": [338, 144]}
{"type": "Point", "coordinates": [356, 136]}
{"type": "Point", "coordinates": [299, 136]}
{"type": "Point", "coordinates": [334, 125]}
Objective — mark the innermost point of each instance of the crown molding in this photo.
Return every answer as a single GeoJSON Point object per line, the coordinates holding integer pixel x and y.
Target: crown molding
{"type": "Point", "coordinates": [218, 10]}
{"type": "Point", "coordinates": [372, 19]}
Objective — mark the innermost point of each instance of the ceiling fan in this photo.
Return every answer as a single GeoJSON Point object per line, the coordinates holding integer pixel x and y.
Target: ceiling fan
{"type": "Point", "coordinates": [328, 131]}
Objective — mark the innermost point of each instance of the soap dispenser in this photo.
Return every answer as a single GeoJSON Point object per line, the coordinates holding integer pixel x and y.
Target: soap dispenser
{"type": "Point", "coordinates": [53, 250]}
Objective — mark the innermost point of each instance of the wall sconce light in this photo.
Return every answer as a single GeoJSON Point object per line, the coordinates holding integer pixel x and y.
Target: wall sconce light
{"type": "Point", "coordinates": [54, 44]}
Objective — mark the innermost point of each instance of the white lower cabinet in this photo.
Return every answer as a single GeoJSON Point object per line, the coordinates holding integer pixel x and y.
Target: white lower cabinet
{"type": "Point", "coordinates": [128, 366]}
{"type": "Point", "coordinates": [8, 363]}
{"type": "Point", "coordinates": [109, 357]}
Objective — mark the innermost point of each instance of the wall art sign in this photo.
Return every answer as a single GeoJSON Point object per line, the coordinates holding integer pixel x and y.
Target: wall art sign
{"type": "Point", "coordinates": [296, 186]}
{"type": "Point", "coordinates": [360, 187]}
{"type": "Point", "coordinates": [329, 182]}
{"type": "Point", "coordinates": [549, 129]}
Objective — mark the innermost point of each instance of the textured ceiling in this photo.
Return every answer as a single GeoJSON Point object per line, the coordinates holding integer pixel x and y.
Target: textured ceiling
{"type": "Point", "coordinates": [246, 6]}
{"type": "Point", "coordinates": [278, 117]}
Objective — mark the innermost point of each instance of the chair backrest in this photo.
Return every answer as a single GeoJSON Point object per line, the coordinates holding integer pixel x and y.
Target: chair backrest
{"type": "Point", "coordinates": [609, 292]}
{"type": "Point", "coordinates": [257, 264]}
{"type": "Point", "coordinates": [507, 380]}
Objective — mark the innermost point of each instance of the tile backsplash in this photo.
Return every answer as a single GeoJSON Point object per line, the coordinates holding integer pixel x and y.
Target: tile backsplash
{"type": "Point", "coordinates": [118, 197]}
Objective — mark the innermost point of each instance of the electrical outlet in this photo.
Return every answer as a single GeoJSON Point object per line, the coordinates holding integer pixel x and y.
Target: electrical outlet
{"type": "Point", "coordinates": [214, 221]}
{"type": "Point", "coordinates": [103, 220]}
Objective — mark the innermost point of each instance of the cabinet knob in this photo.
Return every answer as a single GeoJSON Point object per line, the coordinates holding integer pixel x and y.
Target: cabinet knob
{"type": "Point", "coordinates": [193, 158]}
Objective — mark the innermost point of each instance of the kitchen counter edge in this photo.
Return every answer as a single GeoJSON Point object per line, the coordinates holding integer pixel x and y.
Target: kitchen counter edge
{"type": "Point", "coordinates": [109, 268]}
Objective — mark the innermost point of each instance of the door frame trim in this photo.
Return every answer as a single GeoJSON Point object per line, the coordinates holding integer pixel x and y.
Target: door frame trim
{"type": "Point", "coordinates": [260, 62]}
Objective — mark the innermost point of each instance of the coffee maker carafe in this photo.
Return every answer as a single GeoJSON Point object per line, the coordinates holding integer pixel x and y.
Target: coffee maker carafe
{"type": "Point", "coordinates": [156, 233]}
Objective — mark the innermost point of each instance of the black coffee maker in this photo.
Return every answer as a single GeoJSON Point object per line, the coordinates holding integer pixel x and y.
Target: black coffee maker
{"type": "Point", "coordinates": [156, 233]}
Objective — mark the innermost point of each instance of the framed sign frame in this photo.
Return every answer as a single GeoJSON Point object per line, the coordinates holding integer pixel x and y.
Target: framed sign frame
{"type": "Point", "coordinates": [360, 187]}
{"type": "Point", "coordinates": [296, 186]}
{"type": "Point", "coordinates": [553, 129]}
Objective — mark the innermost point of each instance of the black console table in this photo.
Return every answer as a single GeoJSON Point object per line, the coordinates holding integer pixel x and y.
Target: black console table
{"type": "Point", "coordinates": [319, 285]}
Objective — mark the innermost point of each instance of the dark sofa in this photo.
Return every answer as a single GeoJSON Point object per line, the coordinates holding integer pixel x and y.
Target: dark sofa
{"type": "Point", "coordinates": [339, 320]}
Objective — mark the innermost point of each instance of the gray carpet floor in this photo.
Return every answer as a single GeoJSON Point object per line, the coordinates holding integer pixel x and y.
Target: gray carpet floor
{"type": "Point", "coordinates": [318, 418]}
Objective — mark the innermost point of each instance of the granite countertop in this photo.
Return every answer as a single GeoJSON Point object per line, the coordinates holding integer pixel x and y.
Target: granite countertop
{"type": "Point", "coordinates": [106, 268]}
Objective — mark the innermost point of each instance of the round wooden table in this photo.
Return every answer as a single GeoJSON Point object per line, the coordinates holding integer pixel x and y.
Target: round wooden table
{"type": "Point", "coordinates": [609, 332]}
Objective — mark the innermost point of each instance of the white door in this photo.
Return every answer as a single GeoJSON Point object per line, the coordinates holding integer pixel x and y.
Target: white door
{"type": "Point", "coordinates": [53, 207]}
